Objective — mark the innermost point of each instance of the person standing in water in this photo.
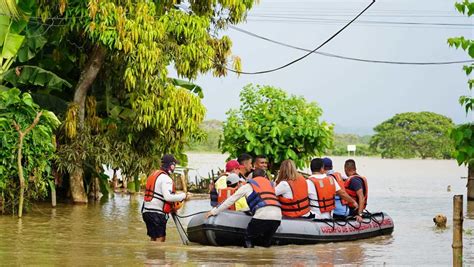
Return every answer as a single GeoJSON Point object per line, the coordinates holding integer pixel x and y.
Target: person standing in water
{"type": "Point", "coordinates": [159, 199]}
{"type": "Point", "coordinates": [264, 205]}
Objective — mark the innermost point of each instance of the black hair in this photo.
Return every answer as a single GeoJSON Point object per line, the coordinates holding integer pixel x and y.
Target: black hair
{"type": "Point", "coordinates": [259, 173]}
{"type": "Point", "coordinates": [350, 164]}
{"type": "Point", "coordinates": [244, 157]}
{"type": "Point", "coordinates": [259, 157]}
{"type": "Point", "coordinates": [317, 164]}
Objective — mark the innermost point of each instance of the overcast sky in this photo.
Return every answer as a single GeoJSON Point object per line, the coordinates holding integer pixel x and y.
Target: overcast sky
{"type": "Point", "coordinates": [355, 96]}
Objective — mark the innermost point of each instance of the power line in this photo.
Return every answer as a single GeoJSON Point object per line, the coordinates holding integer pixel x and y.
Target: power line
{"type": "Point", "coordinates": [349, 58]}
{"type": "Point", "coordinates": [310, 52]}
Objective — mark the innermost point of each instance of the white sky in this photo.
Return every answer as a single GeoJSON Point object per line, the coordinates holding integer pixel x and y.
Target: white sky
{"type": "Point", "coordinates": [355, 96]}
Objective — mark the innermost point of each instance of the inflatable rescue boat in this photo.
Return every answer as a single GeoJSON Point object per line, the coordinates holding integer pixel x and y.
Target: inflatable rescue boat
{"type": "Point", "coordinates": [228, 229]}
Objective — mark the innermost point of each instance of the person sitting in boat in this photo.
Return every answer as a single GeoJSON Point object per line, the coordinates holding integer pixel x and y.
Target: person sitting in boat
{"type": "Point", "coordinates": [159, 198]}
{"type": "Point", "coordinates": [260, 163]}
{"type": "Point", "coordinates": [292, 191]}
{"type": "Point", "coordinates": [322, 191]}
{"type": "Point", "coordinates": [357, 187]}
{"type": "Point", "coordinates": [232, 166]}
{"type": "Point", "coordinates": [264, 205]}
{"type": "Point", "coordinates": [342, 209]}
{"type": "Point", "coordinates": [245, 161]}
{"type": "Point", "coordinates": [233, 184]}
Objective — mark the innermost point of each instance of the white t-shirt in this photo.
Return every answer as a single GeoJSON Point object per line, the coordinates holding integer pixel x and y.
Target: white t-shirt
{"type": "Point", "coordinates": [164, 187]}
{"type": "Point", "coordinates": [264, 213]}
{"type": "Point", "coordinates": [313, 196]}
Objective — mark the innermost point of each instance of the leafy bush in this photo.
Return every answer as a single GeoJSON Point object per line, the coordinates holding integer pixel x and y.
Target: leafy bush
{"type": "Point", "coordinates": [279, 126]}
{"type": "Point", "coordinates": [38, 148]}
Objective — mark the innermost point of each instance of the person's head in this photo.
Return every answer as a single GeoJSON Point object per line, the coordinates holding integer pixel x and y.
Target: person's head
{"type": "Point", "coordinates": [350, 167]}
{"type": "Point", "coordinates": [327, 164]}
{"type": "Point", "coordinates": [260, 162]}
{"type": "Point", "coordinates": [232, 166]}
{"type": "Point", "coordinates": [233, 180]}
{"type": "Point", "coordinates": [287, 171]}
{"type": "Point", "coordinates": [317, 165]}
{"type": "Point", "coordinates": [245, 161]}
{"type": "Point", "coordinates": [259, 173]}
{"type": "Point", "coordinates": [168, 163]}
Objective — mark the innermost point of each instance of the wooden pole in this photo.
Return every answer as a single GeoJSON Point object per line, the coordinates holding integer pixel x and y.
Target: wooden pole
{"type": "Point", "coordinates": [53, 196]}
{"type": "Point", "coordinates": [457, 230]}
{"type": "Point", "coordinates": [470, 182]}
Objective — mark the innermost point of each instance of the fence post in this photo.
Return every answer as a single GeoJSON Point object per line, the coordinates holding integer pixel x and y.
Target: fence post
{"type": "Point", "coordinates": [457, 230]}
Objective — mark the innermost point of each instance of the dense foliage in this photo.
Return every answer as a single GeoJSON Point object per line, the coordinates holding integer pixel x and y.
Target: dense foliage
{"type": "Point", "coordinates": [414, 134]}
{"type": "Point", "coordinates": [463, 134]}
{"type": "Point", "coordinates": [38, 148]}
{"type": "Point", "coordinates": [135, 112]}
{"type": "Point", "coordinates": [272, 123]}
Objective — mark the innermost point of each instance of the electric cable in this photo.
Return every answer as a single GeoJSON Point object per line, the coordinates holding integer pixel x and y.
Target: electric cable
{"type": "Point", "coordinates": [349, 58]}
{"type": "Point", "coordinates": [309, 53]}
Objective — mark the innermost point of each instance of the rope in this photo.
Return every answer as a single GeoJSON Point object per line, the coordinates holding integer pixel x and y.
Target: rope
{"type": "Point", "coordinates": [190, 215]}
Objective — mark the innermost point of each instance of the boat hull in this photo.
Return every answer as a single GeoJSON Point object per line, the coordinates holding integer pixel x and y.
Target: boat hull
{"type": "Point", "coordinates": [228, 229]}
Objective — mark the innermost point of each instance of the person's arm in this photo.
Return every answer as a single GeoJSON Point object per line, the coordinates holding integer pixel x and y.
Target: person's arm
{"type": "Point", "coordinates": [343, 194]}
{"type": "Point", "coordinates": [282, 188]}
{"type": "Point", "coordinates": [242, 191]}
{"type": "Point", "coordinates": [360, 195]}
{"type": "Point", "coordinates": [167, 188]}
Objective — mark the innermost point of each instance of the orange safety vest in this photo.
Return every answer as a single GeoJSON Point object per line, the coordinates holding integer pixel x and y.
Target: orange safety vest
{"type": "Point", "coordinates": [223, 194]}
{"type": "Point", "coordinates": [299, 204]}
{"type": "Point", "coordinates": [326, 191]}
{"type": "Point", "coordinates": [263, 194]}
{"type": "Point", "coordinates": [340, 181]}
{"type": "Point", "coordinates": [353, 194]}
{"type": "Point", "coordinates": [150, 194]}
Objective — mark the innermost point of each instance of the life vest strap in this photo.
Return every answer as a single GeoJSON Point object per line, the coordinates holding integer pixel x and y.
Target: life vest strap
{"type": "Point", "coordinates": [294, 202]}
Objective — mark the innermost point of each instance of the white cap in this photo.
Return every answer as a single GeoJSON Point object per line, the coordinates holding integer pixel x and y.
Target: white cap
{"type": "Point", "coordinates": [232, 179]}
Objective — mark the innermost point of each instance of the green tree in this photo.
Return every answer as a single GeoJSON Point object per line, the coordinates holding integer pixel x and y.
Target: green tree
{"type": "Point", "coordinates": [342, 140]}
{"type": "Point", "coordinates": [131, 45]}
{"type": "Point", "coordinates": [280, 126]}
{"type": "Point", "coordinates": [414, 134]}
{"type": "Point", "coordinates": [26, 149]}
{"type": "Point", "coordinates": [463, 134]}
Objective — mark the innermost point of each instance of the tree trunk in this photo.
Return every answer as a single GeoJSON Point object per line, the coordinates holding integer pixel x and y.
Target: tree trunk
{"type": "Point", "coordinates": [114, 180]}
{"type": "Point", "coordinates": [470, 182]}
{"type": "Point", "coordinates": [88, 76]}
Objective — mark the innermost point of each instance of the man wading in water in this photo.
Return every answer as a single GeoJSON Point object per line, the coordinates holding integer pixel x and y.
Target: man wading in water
{"type": "Point", "coordinates": [160, 199]}
{"type": "Point", "coordinates": [264, 205]}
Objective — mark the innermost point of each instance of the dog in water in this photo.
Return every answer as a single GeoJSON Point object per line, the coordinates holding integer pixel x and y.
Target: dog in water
{"type": "Point", "coordinates": [440, 221]}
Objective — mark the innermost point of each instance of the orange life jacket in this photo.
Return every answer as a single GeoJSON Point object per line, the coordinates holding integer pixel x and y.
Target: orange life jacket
{"type": "Point", "coordinates": [353, 194]}
{"type": "Point", "coordinates": [299, 204]}
{"type": "Point", "coordinates": [150, 194]}
{"type": "Point", "coordinates": [326, 191]}
{"type": "Point", "coordinates": [263, 194]}
{"type": "Point", "coordinates": [340, 181]}
{"type": "Point", "coordinates": [225, 193]}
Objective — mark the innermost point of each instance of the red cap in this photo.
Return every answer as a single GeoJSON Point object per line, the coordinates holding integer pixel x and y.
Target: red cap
{"type": "Point", "coordinates": [231, 165]}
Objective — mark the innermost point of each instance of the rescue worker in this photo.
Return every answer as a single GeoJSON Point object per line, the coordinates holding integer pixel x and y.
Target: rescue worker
{"type": "Point", "coordinates": [245, 161]}
{"type": "Point", "coordinates": [292, 191]}
{"type": "Point", "coordinates": [159, 199]}
{"type": "Point", "coordinates": [263, 203]}
{"type": "Point", "coordinates": [341, 210]}
{"type": "Point", "coordinates": [322, 191]}
{"type": "Point", "coordinates": [357, 187]}
{"type": "Point", "coordinates": [232, 166]}
{"type": "Point", "coordinates": [233, 184]}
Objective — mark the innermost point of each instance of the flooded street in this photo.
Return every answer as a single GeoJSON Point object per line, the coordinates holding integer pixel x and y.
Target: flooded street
{"type": "Point", "coordinates": [412, 192]}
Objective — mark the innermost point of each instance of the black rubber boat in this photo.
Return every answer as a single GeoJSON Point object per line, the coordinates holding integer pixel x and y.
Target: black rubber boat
{"type": "Point", "coordinates": [228, 229]}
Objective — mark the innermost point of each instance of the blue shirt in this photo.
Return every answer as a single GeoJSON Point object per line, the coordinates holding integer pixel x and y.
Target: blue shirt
{"type": "Point", "coordinates": [340, 210]}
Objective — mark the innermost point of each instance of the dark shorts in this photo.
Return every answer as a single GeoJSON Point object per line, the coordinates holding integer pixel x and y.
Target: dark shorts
{"type": "Point", "coordinates": [155, 224]}
{"type": "Point", "coordinates": [260, 232]}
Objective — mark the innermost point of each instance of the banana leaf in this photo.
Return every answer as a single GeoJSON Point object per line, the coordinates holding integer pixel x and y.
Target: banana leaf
{"type": "Point", "coordinates": [33, 75]}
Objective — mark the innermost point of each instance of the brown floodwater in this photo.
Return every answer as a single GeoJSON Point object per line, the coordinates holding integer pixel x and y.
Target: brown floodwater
{"type": "Point", "coordinates": [112, 232]}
